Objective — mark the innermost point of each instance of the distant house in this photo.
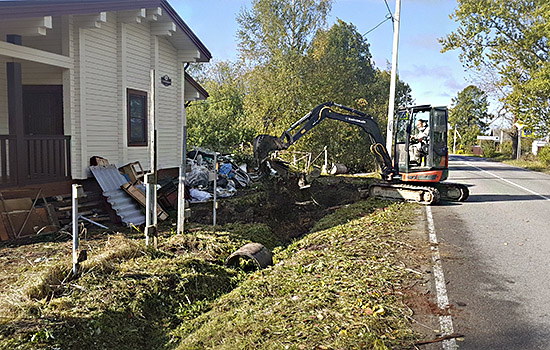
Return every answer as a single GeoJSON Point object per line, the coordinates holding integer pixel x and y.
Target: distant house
{"type": "Point", "coordinates": [76, 84]}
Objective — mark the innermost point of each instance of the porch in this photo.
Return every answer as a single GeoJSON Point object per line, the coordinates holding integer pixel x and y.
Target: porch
{"type": "Point", "coordinates": [33, 159]}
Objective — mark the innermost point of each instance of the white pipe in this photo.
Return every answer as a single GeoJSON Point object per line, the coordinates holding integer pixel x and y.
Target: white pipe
{"type": "Point", "coordinates": [183, 164]}
{"type": "Point", "coordinates": [215, 185]}
{"type": "Point", "coordinates": [75, 188]}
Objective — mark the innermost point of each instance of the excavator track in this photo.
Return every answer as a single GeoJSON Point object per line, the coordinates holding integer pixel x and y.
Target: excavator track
{"type": "Point", "coordinates": [410, 193]}
{"type": "Point", "coordinates": [452, 192]}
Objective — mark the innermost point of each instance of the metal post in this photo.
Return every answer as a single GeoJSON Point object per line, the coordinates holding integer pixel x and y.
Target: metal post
{"type": "Point", "coordinates": [326, 160]}
{"type": "Point", "coordinates": [215, 185]}
{"type": "Point", "coordinates": [454, 142]}
{"type": "Point", "coordinates": [150, 178]}
{"type": "Point", "coordinates": [147, 209]}
{"type": "Point", "coordinates": [183, 164]}
{"type": "Point", "coordinates": [76, 189]}
{"type": "Point", "coordinates": [391, 102]}
{"type": "Point", "coordinates": [520, 131]}
{"type": "Point", "coordinates": [154, 202]}
{"type": "Point", "coordinates": [519, 144]}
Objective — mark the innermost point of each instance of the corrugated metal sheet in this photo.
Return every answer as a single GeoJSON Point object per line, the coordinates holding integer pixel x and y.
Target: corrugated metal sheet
{"type": "Point", "coordinates": [110, 180]}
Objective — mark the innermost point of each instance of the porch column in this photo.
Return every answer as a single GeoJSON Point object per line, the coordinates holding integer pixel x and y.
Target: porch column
{"type": "Point", "coordinates": [18, 154]}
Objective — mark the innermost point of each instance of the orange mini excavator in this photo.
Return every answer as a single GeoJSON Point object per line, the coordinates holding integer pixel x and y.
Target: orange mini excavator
{"type": "Point", "coordinates": [421, 158]}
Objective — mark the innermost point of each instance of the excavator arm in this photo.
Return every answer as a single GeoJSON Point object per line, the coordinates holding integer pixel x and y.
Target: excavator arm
{"type": "Point", "coordinates": [265, 144]}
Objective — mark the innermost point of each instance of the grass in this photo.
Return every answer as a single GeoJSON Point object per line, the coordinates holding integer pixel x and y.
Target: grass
{"type": "Point", "coordinates": [128, 297]}
{"type": "Point", "coordinates": [343, 286]}
{"type": "Point", "coordinates": [531, 164]}
{"type": "Point", "coordinates": [338, 288]}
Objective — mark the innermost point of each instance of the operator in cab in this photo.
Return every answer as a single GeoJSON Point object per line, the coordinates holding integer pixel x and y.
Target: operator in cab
{"type": "Point", "coordinates": [419, 140]}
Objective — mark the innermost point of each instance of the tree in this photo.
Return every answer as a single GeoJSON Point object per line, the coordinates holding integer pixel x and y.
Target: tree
{"type": "Point", "coordinates": [469, 116]}
{"type": "Point", "coordinates": [342, 71]}
{"type": "Point", "coordinates": [273, 38]}
{"type": "Point", "coordinates": [510, 38]}
{"type": "Point", "coordinates": [219, 123]}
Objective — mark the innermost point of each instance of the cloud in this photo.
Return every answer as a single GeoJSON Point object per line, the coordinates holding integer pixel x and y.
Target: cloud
{"type": "Point", "coordinates": [423, 71]}
{"type": "Point", "coordinates": [424, 41]}
{"type": "Point", "coordinates": [433, 84]}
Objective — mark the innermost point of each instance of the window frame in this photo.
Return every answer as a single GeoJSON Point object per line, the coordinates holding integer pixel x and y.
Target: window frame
{"type": "Point", "coordinates": [132, 143]}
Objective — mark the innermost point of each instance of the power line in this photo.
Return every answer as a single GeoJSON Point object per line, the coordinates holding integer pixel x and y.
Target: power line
{"type": "Point", "coordinates": [388, 17]}
{"type": "Point", "coordinates": [389, 11]}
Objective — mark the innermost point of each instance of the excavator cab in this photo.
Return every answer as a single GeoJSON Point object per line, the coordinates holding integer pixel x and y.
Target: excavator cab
{"type": "Point", "coordinates": [420, 144]}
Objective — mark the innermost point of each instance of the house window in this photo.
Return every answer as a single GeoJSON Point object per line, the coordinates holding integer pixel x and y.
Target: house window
{"type": "Point", "coordinates": [137, 118]}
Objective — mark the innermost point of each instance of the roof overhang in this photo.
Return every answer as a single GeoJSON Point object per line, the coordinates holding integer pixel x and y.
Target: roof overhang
{"type": "Point", "coordinates": [166, 20]}
{"type": "Point", "coordinates": [193, 90]}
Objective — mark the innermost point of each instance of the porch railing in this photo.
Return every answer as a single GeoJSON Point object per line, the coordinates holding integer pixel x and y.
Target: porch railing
{"type": "Point", "coordinates": [46, 159]}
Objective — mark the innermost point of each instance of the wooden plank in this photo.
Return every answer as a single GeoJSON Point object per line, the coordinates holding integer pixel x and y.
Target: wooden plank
{"type": "Point", "coordinates": [4, 159]}
{"type": "Point", "coordinates": [139, 196]}
{"type": "Point", "coordinates": [18, 204]}
{"type": "Point", "coordinates": [3, 232]}
{"type": "Point", "coordinates": [32, 158]}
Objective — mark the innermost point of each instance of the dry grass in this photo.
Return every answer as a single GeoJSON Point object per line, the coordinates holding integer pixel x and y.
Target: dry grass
{"type": "Point", "coordinates": [338, 288]}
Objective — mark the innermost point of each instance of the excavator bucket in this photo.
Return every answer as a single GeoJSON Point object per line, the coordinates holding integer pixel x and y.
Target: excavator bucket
{"type": "Point", "coordinates": [264, 145]}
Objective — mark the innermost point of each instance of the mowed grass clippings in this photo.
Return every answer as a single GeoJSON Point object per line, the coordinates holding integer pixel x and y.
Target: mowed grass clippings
{"type": "Point", "coordinates": [129, 296]}
{"type": "Point", "coordinates": [339, 288]}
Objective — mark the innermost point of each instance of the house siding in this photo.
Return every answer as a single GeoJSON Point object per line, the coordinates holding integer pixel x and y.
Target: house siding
{"type": "Point", "coordinates": [168, 111]}
{"type": "Point", "coordinates": [100, 72]}
{"type": "Point", "coordinates": [137, 67]}
{"type": "Point", "coordinates": [50, 42]}
{"type": "Point", "coordinates": [41, 74]}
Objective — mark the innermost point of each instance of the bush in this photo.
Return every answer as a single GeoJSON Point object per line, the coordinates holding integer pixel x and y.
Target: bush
{"type": "Point", "coordinates": [544, 156]}
{"type": "Point", "coordinates": [489, 149]}
{"type": "Point", "coordinates": [506, 148]}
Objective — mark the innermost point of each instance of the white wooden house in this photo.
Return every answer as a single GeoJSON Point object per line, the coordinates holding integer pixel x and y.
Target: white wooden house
{"type": "Point", "coordinates": [75, 83]}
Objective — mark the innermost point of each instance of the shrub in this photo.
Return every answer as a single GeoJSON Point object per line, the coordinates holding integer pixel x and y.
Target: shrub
{"type": "Point", "coordinates": [489, 149]}
{"type": "Point", "coordinates": [544, 156]}
{"type": "Point", "coordinates": [506, 148]}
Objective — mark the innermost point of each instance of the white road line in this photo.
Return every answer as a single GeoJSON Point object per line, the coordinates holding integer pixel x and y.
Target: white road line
{"type": "Point", "coordinates": [445, 322]}
{"type": "Point", "coordinates": [508, 181]}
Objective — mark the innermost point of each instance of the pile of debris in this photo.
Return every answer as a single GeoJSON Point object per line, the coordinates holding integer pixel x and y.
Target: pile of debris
{"type": "Point", "coordinates": [203, 166]}
{"type": "Point", "coordinates": [206, 172]}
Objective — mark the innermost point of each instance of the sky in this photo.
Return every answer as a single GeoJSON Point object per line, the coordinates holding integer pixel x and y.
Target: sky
{"type": "Point", "coordinates": [435, 77]}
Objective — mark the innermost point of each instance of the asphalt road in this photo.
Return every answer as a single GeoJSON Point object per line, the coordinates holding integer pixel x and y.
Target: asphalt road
{"type": "Point", "coordinates": [495, 253]}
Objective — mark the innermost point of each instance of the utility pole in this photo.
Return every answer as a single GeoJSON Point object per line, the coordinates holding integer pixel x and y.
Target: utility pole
{"type": "Point", "coordinates": [391, 107]}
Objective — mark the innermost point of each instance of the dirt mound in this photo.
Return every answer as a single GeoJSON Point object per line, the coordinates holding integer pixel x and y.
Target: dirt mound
{"type": "Point", "coordinates": [289, 211]}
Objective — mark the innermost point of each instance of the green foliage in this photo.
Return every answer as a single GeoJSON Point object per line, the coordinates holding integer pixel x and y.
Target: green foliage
{"type": "Point", "coordinates": [469, 116]}
{"type": "Point", "coordinates": [509, 38]}
{"type": "Point", "coordinates": [219, 123]}
{"type": "Point", "coordinates": [506, 148]}
{"type": "Point", "coordinates": [273, 38]}
{"type": "Point", "coordinates": [290, 63]}
{"type": "Point", "coordinates": [342, 71]}
{"type": "Point", "coordinates": [276, 29]}
{"type": "Point", "coordinates": [544, 156]}
{"type": "Point", "coordinates": [489, 149]}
